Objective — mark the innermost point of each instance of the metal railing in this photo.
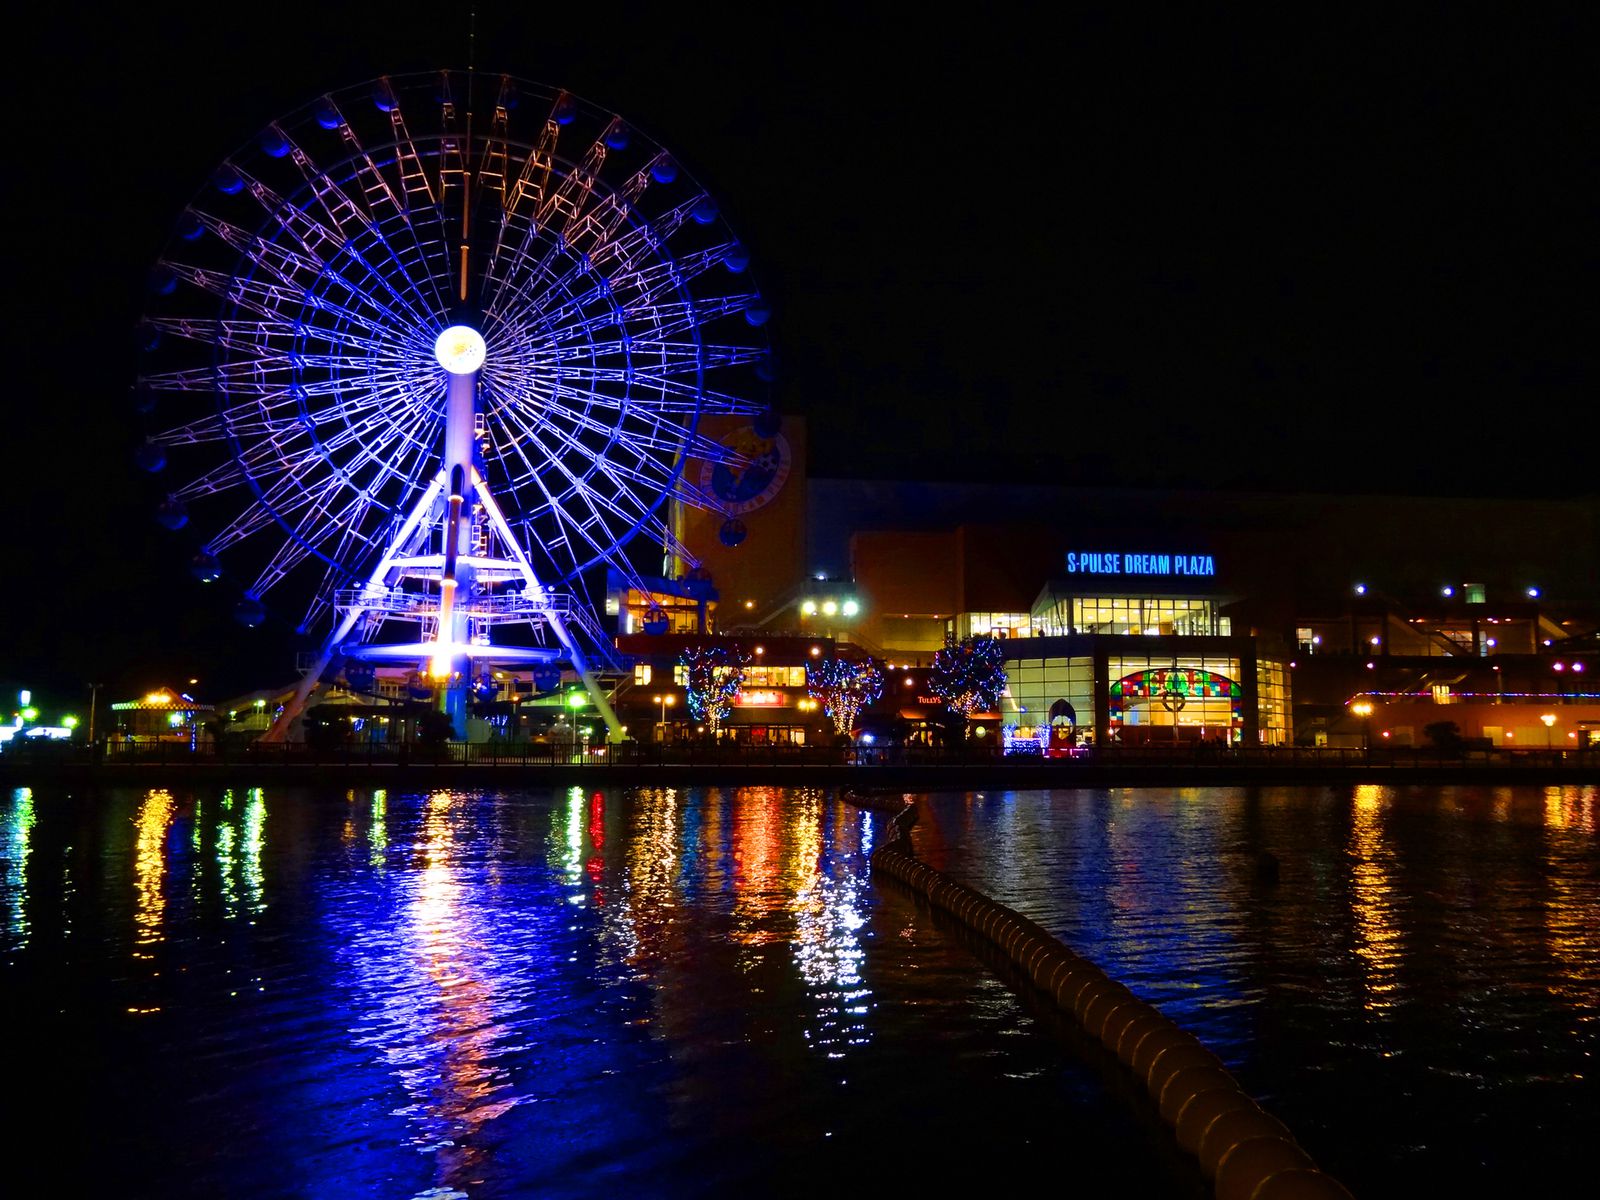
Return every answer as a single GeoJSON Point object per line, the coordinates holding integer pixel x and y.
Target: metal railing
{"type": "Point", "coordinates": [709, 753]}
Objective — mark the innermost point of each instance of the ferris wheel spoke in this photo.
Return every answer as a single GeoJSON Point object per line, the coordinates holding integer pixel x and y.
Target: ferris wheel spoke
{"type": "Point", "coordinates": [534, 177]}
{"type": "Point", "coordinates": [352, 224]}
{"type": "Point", "coordinates": [252, 520]}
{"type": "Point", "coordinates": [618, 473]}
{"type": "Point", "coordinates": [305, 271]}
{"type": "Point", "coordinates": [587, 227]}
{"type": "Point", "coordinates": [675, 396]}
{"type": "Point", "coordinates": [273, 375]}
{"type": "Point", "coordinates": [597, 226]}
{"type": "Point", "coordinates": [494, 165]}
{"type": "Point", "coordinates": [264, 299]}
{"type": "Point", "coordinates": [597, 504]}
{"type": "Point", "coordinates": [383, 207]}
{"type": "Point", "coordinates": [288, 468]}
{"type": "Point", "coordinates": [372, 436]}
{"type": "Point", "coordinates": [223, 477]}
{"type": "Point", "coordinates": [691, 493]}
{"type": "Point", "coordinates": [679, 316]}
{"type": "Point", "coordinates": [667, 397]}
{"type": "Point", "coordinates": [669, 438]}
{"type": "Point", "coordinates": [279, 336]}
{"type": "Point", "coordinates": [320, 524]}
{"type": "Point", "coordinates": [619, 266]}
{"type": "Point", "coordinates": [660, 357]}
{"type": "Point", "coordinates": [414, 180]}
{"type": "Point", "coordinates": [564, 206]}
{"type": "Point", "coordinates": [664, 318]}
{"type": "Point", "coordinates": [323, 244]}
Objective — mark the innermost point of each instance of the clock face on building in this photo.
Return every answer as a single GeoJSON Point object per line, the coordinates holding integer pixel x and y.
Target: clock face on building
{"type": "Point", "coordinates": [741, 487]}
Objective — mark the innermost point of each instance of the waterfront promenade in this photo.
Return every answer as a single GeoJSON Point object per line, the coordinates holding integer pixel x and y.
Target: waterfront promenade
{"type": "Point", "coordinates": [629, 765]}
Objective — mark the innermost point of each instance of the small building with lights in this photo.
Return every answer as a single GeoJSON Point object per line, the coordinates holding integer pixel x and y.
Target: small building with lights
{"type": "Point", "coordinates": [161, 715]}
{"type": "Point", "coordinates": [773, 708]}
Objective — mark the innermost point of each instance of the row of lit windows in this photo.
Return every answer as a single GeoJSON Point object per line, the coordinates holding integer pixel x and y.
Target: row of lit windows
{"type": "Point", "coordinates": [1165, 616]}
{"type": "Point", "coordinates": [1272, 701]}
{"type": "Point", "coordinates": [1004, 625]}
{"type": "Point", "coordinates": [756, 676]}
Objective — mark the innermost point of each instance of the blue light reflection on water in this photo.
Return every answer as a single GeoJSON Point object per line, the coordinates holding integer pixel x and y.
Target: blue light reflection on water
{"type": "Point", "coordinates": [1417, 994]}
{"type": "Point", "coordinates": [368, 993]}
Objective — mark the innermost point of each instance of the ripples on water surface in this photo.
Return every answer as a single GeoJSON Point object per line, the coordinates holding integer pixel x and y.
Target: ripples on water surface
{"type": "Point", "coordinates": [291, 993]}
{"type": "Point", "coordinates": [1417, 995]}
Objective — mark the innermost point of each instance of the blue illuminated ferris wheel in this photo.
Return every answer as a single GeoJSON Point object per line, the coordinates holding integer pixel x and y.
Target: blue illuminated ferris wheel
{"type": "Point", "coordinates": [430, 351]}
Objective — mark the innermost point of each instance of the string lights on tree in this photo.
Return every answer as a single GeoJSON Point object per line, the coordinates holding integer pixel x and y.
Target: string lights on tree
{"type": "Point", "coordinates": [969, 675]}
{"type": "Point", "coordinates": [715, 675]}
{"type": "Point", "coordinates": [843, 688]}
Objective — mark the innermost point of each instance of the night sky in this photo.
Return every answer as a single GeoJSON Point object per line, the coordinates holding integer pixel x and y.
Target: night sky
{"type": "Point", "coordinates": [1358, 257]}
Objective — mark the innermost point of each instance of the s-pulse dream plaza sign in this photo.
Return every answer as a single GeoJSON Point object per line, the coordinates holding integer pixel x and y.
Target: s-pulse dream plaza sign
{"type": "Point", "coordinates": [1141, 564]}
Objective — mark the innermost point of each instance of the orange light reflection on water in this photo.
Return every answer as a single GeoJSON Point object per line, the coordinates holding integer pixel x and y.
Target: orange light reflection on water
{"type": "Point", "coordinates": [1572, 905]}
{"type": "Point", "coordinates": [443, 1049]}
{"type": "Point", "coordinates": [150, 868]}
{"type": "Point", "coordinates": [1372, 899]}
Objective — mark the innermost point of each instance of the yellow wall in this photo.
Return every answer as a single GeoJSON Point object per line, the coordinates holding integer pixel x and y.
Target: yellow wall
{"type": "Point", "coordinates": [770, 563]}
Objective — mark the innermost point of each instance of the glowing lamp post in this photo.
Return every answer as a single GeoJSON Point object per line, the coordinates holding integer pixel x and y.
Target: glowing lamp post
{"type": "Point", "coordinates": [1549, 720]}
{"type": "Point", "coordinates": [666, 701]}
{"type": "Point", "coordinates": [1363, 709]}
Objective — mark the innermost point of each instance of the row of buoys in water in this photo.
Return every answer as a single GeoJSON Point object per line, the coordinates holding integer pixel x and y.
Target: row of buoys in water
{"type": "Point", "coordinates": [1246, 1153]}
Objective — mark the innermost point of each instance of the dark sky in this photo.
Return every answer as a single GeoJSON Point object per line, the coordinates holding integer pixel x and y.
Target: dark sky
{"type": "Point", "coordinates": [1351, 257]}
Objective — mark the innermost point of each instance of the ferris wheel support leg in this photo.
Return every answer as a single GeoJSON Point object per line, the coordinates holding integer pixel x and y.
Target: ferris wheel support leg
{"type": "Point", "coordinates": [580, 663]}
{"type": "Point", "coordinates": [279, 730]}
{"type": "Point", "coordinates": [614, 731]}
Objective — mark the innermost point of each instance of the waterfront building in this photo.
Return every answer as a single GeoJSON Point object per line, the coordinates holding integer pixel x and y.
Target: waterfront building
{"type": "Point", "coordinates": [161, 715]}
{"type": "Point", "coordinates": [1128, 617]}
{"type": "Point", "coordinates": [1180, 617]}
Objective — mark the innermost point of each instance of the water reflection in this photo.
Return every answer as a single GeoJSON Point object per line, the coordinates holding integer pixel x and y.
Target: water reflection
{"type": "Point", "coordinates": [252, 839]}
{"type": "Point", "coordinates": [828, 916]}
{"type": "Point", "coordinates": [651, 889]}
{"type": "Point", "coordinates": [430, 982]}
{"type": "Point", "coordinates": [1572, 907]}
{"type": "Point", "coordinates": [378, 828]}
{"type": "Point", "coordinates": [670, 992]}
{"type": "Point", "coordinates": [150, 868]}
{"type": "Point", "coordinates": [16, 835]}
{"type": "Point", "coordinates": [757, 867]}
{"type": "Point", "coordinates": [1412, 978]}
{"type": "Point", "coordinates": [1372, 899]}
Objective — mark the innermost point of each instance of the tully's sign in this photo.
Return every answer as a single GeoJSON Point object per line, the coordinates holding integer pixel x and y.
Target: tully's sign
{"type": "Point", "coordinates": [1101, 563]}
{"type": "Point", "coordinates": [760, 698]}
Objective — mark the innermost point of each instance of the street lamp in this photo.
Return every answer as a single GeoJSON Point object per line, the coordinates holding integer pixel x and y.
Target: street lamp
{"type": "Point", "coordinates": [666, 701]}
{"type": "Point", "coordinates": [1363, 709]}
{"type": "Point", "coordinates": [94, 695]}
{"type": "Point", "coordinates": [1549, 719]}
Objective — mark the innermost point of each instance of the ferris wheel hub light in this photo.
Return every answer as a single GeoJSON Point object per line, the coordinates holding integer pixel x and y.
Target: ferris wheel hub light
{"type": "Point", "coordinates": [460, 350]}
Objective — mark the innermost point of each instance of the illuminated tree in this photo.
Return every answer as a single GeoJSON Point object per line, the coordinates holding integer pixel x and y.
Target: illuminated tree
{"type": "Point", "coordinates": [716, 673]}
{"type": "Point", "coordinates": [969, 675]}
{"type": "Point", "coordinates": [843, 688]}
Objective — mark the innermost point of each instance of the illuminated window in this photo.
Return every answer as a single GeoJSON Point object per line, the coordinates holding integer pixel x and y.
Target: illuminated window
{"type": "Point", "coordinates": [641, 672]}
{"type": "Point", "coordinates": [774, 677]}
{"type": "Point", "coordinates": [680, 675]}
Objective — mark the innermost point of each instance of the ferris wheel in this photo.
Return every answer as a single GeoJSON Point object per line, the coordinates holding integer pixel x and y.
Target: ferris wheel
{"type": "Point", "coordinates": [434, 349]}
